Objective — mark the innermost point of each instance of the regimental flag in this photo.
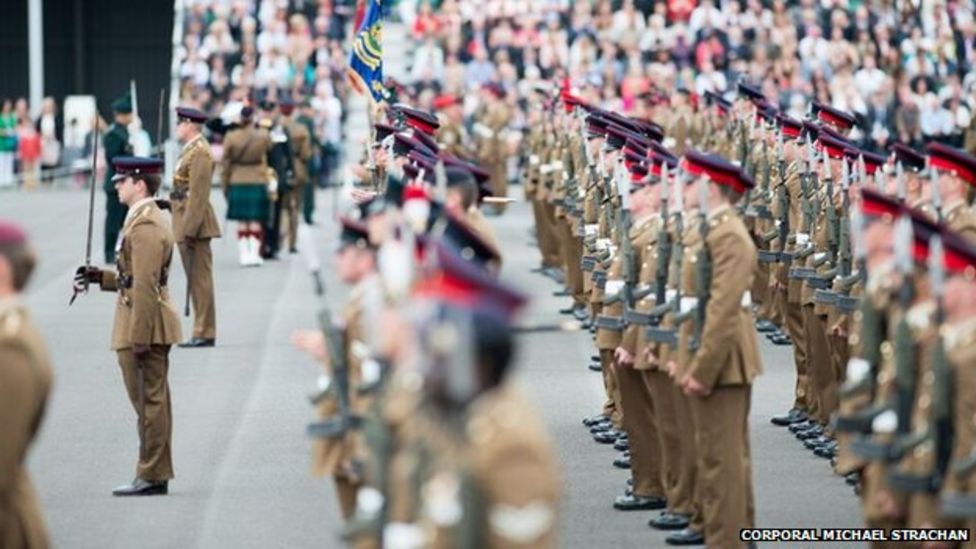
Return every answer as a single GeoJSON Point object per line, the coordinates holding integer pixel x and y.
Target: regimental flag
{"type": "Point", "coordinates": [366, 61]}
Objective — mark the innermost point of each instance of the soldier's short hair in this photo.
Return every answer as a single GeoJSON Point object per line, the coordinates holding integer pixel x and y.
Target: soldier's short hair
{"type": "Point", "coordinates": [22, 261]}
{"type": "Point", "coordinates": [152, 181]}
{"type": "Point", "coordinates": [730, 194]}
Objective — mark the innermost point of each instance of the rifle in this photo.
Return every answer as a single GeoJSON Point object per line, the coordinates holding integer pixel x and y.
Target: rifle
{"type": "Point", "coordinates": [159, 123]}
{"type": "Point", "coordinates": [936, 192]}
{"type": "Point", "coordinates": [655, 333]}
{"type": "Point", "coordinates": [894, 416]}
{"type": "Point", "coordinates": [703, 274]}
{"type": "Point", "coordinates": [664, 244]}
{"type": "Point", "coordinates": [940, 429]}
{"type": "Point", "coordinates": [623, 219]}
{"type": "Point", "coordinates": [862, 370]}
{"type": "Point", "coordinates": [334, 427]}
{"type": "Point", "coordinates": [783, 197]}
{"type": "Point", "coordinates": [91, 211]}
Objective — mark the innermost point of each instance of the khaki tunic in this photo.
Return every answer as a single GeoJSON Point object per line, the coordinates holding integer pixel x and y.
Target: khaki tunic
{"type": "Point", "coordinates": [729, 354]}
{"type": "Point", "coordinates": [245, 157]}
{"type": "Point", "coordinates": [25, 382]}
{"type": "Point", "coordinates": [193, 215]}
{"type": "Point", "coordinates": [144, 314]}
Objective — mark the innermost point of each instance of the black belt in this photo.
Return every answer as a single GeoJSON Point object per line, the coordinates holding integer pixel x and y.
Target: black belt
{"type": "Point", "coordinates": [847, 304]}
{"type": "Point", "coordinates": [635, 317]}
{"type": "Point", "coordinates": [767, 256]}
{"type": "Point", "coordinates": [958, 506]}
{"type": "Point", "coordinates": [819, 283]}
{"type": "Point", "coordinates": [786, 258]}
{"type": "Point", "coordinates": [612, 323]}
{"type": "Point", "coordinates": [802, 273]}
{"type": "Point", "coordinates": [825, 297]}
{"type": "Point", "coordinates": [665, 336]}
{"type": "Point", "coordinates": [588, 263]}
{"type": "Point", "coordinates": [906, 482]}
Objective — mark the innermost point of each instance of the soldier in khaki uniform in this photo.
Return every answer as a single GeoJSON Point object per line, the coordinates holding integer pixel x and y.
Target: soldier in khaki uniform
{"type": "Point", "coordinates": [300, 142]}
{"type": "Point", "coordinates": [146, 324]}
{"type": "Point", "coordinates": [492, 127]}
{"type": "Point", "coordinates": [356, 266]}
{"type": "Point", "coordinates": [194, 223]}
{"type": "Point", "coordinates": [727, 360]}
{"type": "Point", "coordinates": [25, 382]}
{"type": "Point", "coordinates": [956, 183]}
{"type": "Point", "coordinates": [640, 421]}
{"type": "Point", "coordinates": [452, 136]}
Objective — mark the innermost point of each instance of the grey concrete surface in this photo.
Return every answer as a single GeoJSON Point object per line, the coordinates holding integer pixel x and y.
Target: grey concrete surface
{"type": "Point", "coordinates": [240, 453]}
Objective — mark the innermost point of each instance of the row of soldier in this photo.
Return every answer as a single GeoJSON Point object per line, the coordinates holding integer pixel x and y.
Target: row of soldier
{"type": "Point", "coordinates": [428, 441]}
{"type": "Point", "coordinates": [657, 273]}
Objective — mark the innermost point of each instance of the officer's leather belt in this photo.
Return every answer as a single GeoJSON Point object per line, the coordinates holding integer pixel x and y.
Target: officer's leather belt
{"type": "Point", "coordinates": [665, 336]}
{"type": "Point", "coordinates": [588, 263]}
{"type": "Point", "coordinates": [786, 258]}
{"type": "Point", "coordinates": [178, 194]}
{"type": "Point", "coordinates": [612, 323]}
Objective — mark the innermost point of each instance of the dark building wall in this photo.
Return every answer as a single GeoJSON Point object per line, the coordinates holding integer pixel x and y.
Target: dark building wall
{"type": "Point", "coordinates": [92, 47]}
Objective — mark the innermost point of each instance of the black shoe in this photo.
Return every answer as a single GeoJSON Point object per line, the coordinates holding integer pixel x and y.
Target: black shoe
{"type": "Point", "coordinates": [764, 326]}
{"type": "Point", "coordinates": [566, 311]}
{"type": "Point", "coordinates": [817, 442]}
{"type": "Point", "coordinates": [801, 426]}
{"type": "Point", "coordinates": [593, 420]}
{"type": "Point", "coordinates": [293, 250]}
{"type": "Point", "coordinates": [826, 451]}
{"type": "Point", "coordinates": [561, 293]}
{"type": "Point", "coordinates": [198, 342]}
{"type": "Point", "coordinates": [638, 503]}
{"type": "Point", "coordinates": [685, 537]}
{"type": "Point", "coordinates": [781, 340]}
{"type": "Point", "coordinates": [595, 367]}
{"type": "Point", "coordinates": [538, 270]}
{"type": "Point", "coordinates": [622, 462]}
{"type": "Point", "coordinates": [142, 487]}
{"type": "Point", "coordinates": [789, 418]}
{"type": "Point", "coordinates": [669, 521]}
{"type": "Point", "coordinates": [812, 432]}
{"type": "Point", "coordinates": [621, 444]}
{"type": "Point", "coordinates": [607, 437]}
{"type": "Point", "coordinates": [852, 479]}
{"type": "Point", "coordinates": [601, 427]}
{"type": "Point", "coordinates": [581, 314]}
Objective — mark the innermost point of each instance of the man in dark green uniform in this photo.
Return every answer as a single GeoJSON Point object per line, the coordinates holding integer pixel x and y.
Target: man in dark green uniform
{"type": "Point", "coordinates": [307, 118]}
{"type": "Point", "coordinates": [116, 143]}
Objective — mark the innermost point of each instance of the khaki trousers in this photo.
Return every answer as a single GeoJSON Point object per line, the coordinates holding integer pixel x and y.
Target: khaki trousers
{"type": "Point", "coordinates": [292, 206]}
{"type": "Point", "coordinates": [662, 395]}
{"type": "Point", "coordinates": [346, 491]}
{"type": "Point", "coordinates": [724, 463]}
{"type": "Point", "coordinates": [794, 327]}
{"type": "Point", "coordinates": [198, 265]}
{"type": "Point", "coordinates": [611, 408]}
{"type": "Point", "coordinates": [823, 390]}
{"type": "Point", "coordinates": [571, 254]}
{"type": "Point", "coordinates": [640, 423]}
{"type": "Point", "coordinates": [548, 246]}
{"type": "Point", "coordinates": [550, 255]}
{"type": "Point", "coordinates": [155, 457]}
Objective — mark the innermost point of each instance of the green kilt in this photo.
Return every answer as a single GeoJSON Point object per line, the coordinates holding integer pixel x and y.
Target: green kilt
{"type": "Point", "coordinates": [248, 202]}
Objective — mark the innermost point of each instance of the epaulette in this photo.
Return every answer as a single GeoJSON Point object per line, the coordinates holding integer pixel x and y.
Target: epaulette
{"type": "Point", "coordinates": [10, 323]}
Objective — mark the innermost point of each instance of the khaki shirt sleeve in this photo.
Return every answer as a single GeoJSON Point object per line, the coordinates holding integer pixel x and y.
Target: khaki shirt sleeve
{"type": "Point", "coordinates": [15, 408]}
{"type": "Point", "coordinates": [147, 262]}
{"type": "Point", "coordinates": [201, 174]}
{"type": "Point", "coordinates": [109, 282]}
{"type": "Point", "coordinates": [732, 273]}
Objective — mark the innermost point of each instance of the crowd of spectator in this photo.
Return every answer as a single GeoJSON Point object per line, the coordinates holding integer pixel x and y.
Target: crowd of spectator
{"type": "Point", "coordinates": [905, 69]}
{"type": "Point", "coordinates": [256, 50]}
